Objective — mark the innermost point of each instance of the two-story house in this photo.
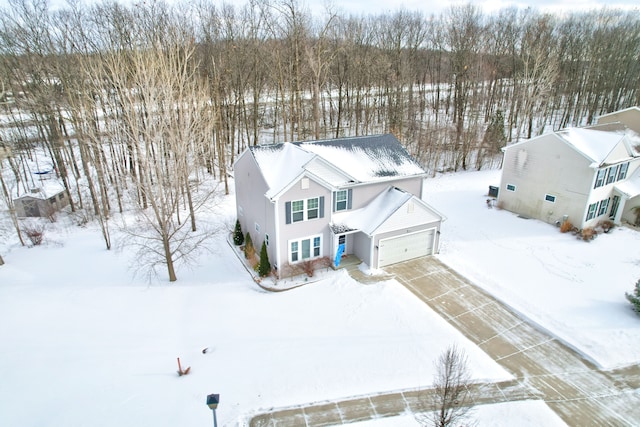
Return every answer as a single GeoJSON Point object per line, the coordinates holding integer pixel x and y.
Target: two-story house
{"type": "Point", "coordinates": [359, 196]}
{"type": "Point", "coordinates": [584, 175]}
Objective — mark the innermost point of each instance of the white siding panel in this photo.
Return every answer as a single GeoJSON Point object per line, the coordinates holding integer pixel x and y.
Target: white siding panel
{"type": "Point", "coordinates": [410, 215]}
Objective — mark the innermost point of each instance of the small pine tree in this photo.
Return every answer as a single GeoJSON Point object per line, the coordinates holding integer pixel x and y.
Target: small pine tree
{"type": "Point", "coordinates": [238, 237]}
{"type": "Point", "coordinates": [249, 250]}
{"type": "Point", "coordinates": [634, 297]}
{"type": "Point", "coordinates": [495, 136]}
{"type": "Point", "coordinates": [265, 267]}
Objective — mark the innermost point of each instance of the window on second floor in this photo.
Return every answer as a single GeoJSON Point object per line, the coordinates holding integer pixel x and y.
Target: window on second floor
{"type": "Point", "coordinates": [613, 172]}
{"type": "Point", "coordinates": [342, 200]}
{"type": "Point", "coordinates": [622, 171]}
{"type": "Point", "coordinates": [312, 208]}
{"type": "Point", "coordinates": [297, 210]}
{"type": "Point", "coordinates": [304, 210]}
{"type": "Point", "coordinates": [600, 178]}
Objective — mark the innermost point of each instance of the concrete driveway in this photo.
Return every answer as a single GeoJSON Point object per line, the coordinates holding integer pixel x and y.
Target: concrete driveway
{"type": "Point", "coordinates": [544, 367]}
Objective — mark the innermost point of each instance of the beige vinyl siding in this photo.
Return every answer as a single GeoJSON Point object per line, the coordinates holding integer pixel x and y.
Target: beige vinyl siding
{"type": "Point", "coordinates": [541, 166]}
{"type": "Point", "coordinates": [629, 117]}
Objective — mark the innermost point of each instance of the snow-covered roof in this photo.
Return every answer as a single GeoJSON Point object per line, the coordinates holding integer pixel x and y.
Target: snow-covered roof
{"type": "Point", "coordinates": [597, 143]}
{"type": "Point", "coordinates": [280, 164]}
{"type": "Point", "coordinates": [631, 186]}
{"type": "Point", "coordinates": [338, 162]}
{"type": "Point", "coordinates": [594, 144]}
{"type": "Point", "coordinates": [45, 185]}
{"type": "Point", "coordinates": [370, 219]}
{"type": "Point", "coordinates": [367, 158]}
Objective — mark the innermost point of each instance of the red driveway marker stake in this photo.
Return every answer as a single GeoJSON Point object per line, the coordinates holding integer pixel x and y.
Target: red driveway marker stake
{"type": "Point", "coordinates": [180, 371]}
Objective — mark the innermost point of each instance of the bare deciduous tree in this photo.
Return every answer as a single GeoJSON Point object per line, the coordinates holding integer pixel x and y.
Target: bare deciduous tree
{"type": "Point", "coordinates": [451, 399]}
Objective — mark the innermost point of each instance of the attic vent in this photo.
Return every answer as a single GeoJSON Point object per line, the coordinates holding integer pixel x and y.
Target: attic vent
{"type": "Point", "coordinates": [410, 207]}
{"type": "Point", "coordinates": [304, 183]}
{"type": "Point", "coordinates": [35, 190]}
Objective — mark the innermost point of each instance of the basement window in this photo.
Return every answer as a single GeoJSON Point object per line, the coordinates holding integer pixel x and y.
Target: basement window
{"type": "Point", "coordinates": [550, 198]}
{"type": "Point", "coordinates": [511, 187]}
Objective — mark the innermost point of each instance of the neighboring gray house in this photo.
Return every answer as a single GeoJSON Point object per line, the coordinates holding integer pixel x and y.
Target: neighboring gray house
{"type": "Point", "coordinates": [585, 175]}
{"type": "Point", "coordinates": [359, 196]}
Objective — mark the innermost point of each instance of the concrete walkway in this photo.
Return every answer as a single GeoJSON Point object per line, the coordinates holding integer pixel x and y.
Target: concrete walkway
{"type": "Point", "coordinates": [544, 367]}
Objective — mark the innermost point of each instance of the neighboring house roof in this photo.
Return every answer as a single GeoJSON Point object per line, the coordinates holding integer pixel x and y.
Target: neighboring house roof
{"type": "Point", "coordinates": [631, 186]}
{"type": "Point", "coordinates": [337, 162]}
{"type": "Point", "coordinates": [372, 217]}
{"type": "Point", "coordinates": [595, 144]}
{"type": "Point", "coordinates": [620, 111]}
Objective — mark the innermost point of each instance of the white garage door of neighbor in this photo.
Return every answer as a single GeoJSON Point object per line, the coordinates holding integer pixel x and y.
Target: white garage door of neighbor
{"type": "Point", "coordinates": [405, 247]}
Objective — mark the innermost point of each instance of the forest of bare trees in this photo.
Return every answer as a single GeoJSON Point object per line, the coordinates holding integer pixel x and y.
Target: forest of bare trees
{"type": "Point", "coordinates": [137, 105]}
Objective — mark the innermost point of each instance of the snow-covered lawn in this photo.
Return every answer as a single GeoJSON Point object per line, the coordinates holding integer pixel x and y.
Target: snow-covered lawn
{"type": "Point", "coordinates": [521, 414]}
{"type": "Point", "coordinates": [571, 288]}
{"type": "Point", "coordinates": [85, 344]}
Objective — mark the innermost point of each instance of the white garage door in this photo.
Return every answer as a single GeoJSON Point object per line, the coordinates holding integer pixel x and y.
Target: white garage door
{"type": "Point", "coordinates": [405, 247]}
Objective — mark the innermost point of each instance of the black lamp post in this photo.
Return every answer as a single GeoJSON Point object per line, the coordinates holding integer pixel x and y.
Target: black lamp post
{"type": "Point", "coordinates": [212, 403]}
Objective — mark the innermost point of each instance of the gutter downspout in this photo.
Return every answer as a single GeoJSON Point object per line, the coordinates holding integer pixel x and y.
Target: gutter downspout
{"type": "Point", "coordinates": [276, 219]}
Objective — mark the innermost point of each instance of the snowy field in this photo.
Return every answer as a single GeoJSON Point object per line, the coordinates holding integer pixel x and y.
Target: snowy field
{"type": "Point", "coordinates": [573, 289]}
{"type": "Point", "coordinates": [85, 344]}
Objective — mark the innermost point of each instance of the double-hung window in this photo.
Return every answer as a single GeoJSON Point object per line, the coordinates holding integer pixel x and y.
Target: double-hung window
{"type": "Point", "coordinates": [591, 213]}
{"type": "Point", "coordinates": [340, 200]}
{"type": "Point", "coordinates": [613, 172]}
{"type": "Point", "coordinates": [304, 210]}
{"type": "Point", "coordinates": [312, 208]}
{"type": "Point", "coordinates": [297, 210]}
{"type": "Point", "coordinates": [600, 178]}
{"type": "Point", "coordinates": [604, 205]}
{"type": "Point", "coordinates": [622, 171]}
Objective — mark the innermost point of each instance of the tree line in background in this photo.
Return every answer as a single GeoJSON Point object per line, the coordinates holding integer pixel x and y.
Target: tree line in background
{"type": "Point", "coordinates": [135, 105]}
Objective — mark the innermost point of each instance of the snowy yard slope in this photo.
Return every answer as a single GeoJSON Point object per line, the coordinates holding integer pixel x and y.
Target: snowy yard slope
{"type": "Point", "coordinates": [572, 288]}
{"type": "Point", "coordinates": [84, 344]}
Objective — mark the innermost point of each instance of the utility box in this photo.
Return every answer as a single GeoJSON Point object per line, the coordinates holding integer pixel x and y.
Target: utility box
{"type": "Point", "coordinates": [493, 191]}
